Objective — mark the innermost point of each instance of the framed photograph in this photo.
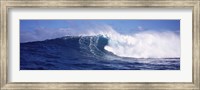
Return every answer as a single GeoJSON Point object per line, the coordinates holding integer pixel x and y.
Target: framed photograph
{"type": "Point", "coordinates": [120, 44]}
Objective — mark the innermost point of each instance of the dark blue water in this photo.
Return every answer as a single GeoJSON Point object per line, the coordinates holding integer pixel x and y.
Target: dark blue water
{"type": "Point", "coordinates": [84, 53]}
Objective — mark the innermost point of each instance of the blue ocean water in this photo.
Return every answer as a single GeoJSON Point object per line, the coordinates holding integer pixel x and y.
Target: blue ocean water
{"type": "Point", "coordinates": [84, 53]}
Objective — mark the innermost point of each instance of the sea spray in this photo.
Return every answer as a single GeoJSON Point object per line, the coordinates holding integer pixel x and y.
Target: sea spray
{"type": "Point", "coordinates": [146, 45]}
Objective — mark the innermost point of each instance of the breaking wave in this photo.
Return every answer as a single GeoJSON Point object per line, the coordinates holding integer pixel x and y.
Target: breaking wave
{"type": "Point", "coordinates": [147, 44]}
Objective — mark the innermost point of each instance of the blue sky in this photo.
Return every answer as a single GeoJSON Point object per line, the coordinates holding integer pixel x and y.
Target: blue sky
{"type": "Point", "coordinates": [30, 27]}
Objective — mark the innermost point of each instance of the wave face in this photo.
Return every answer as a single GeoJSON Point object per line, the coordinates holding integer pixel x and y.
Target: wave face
{"type": "Point", "coordinates": [87, 46]}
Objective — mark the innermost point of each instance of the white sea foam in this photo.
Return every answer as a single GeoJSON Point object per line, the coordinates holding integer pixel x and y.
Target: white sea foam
{"type": "Point", "coordinates": [147, 44]}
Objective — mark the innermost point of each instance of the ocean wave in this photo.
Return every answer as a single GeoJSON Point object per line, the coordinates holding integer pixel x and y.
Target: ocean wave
{"type": "Point", "coordinates": [109, 43]}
